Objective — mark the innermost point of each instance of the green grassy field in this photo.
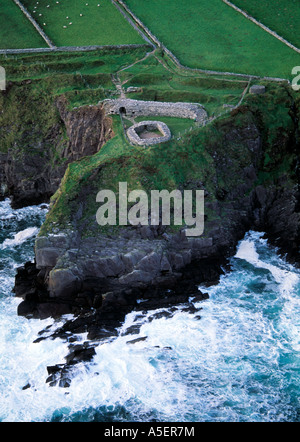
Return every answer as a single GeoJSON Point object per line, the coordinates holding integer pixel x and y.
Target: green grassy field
{"type": "Point", "coordinates": [82, 22]}
{"type": "Point", "coordinates": [85, 78]}
{"type": "Point", "coordinates": [215, 37]}
{"type": "Point", "coordinates": [105, 61]}
{"type": "Point", "coordinates": [159, 81]}
{"type": "Point", "coordinates": [168, 165]}
{"type": "Point", "coordinates": [15, 30]}
{"type": "Point", "coordinates": [282, 16]}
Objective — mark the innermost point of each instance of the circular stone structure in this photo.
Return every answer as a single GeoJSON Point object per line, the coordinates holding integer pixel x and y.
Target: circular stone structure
{"type": "Point", "coordinates": [147, 133]}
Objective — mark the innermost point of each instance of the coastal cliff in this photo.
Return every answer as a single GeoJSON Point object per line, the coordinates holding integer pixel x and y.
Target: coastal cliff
{"type": "Point", "coordinates": [247, 165]}
{"type": "Point", "coordinates": [40, 137]}
{"type": "Point", "coordinates": [245, 162]}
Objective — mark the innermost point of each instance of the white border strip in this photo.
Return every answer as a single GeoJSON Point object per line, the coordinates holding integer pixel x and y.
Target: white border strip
{"type": "Point", "coordinates": [265, 28]}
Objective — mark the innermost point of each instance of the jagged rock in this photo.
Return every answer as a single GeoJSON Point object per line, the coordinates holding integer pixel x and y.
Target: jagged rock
{"type": "Point", "coordinates": [135, 341]}
{"type": "Point", "coordinates": [63, 283]}
{"type": "Point", "coordinates": [30, 175]}
{"type": "Point", "coordinates": [136, 277]}
{"type": "Point", "coordinates": [80, 354]}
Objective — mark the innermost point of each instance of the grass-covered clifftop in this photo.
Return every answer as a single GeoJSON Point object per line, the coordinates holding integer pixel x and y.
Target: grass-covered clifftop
{"type": "Point", "coordinates": [34, 141]}
{"type": "Point", "coordinates": [212, 158]}
{"type": "Point", "coordinates": [56, 140]}
{"type": "Point", "coordinates": [52, 107]}
{"type": "Point", "coordinates": [33, 135]}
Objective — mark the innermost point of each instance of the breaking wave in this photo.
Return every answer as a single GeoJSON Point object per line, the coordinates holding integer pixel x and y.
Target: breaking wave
{"type": "Point", "coordinates": [234, 358]}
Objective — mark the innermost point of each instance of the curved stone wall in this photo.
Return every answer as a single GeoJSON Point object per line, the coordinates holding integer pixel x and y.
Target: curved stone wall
{"type": "Point", "coordinates": [134, 131]}
{"type": "Point", "coordinates": [137, 108]}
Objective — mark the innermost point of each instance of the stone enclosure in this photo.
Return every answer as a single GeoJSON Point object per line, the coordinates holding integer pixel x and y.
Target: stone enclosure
{"type": "Point", "coordinates": [147, 133]}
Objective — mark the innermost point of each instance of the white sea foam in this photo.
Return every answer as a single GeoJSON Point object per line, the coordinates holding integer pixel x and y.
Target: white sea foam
{"type": "Point", "coordinates": [282, 272]}
{"type": "Point", "coordinates": [238, 362]}
{"type": "Point", "coordinates": [247, 251]}
{"type": "Point", "coordinates": [6, 211]}
{"type": "Point", "coordinates": [20, 237]}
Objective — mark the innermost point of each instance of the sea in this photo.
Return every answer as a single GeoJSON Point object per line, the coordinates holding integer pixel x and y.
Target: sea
{"type": "Point", "coordinates": [235, 359]}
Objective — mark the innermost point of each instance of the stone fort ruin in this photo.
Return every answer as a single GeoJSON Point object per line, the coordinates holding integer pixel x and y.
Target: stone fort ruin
{"type": "Point", "coordinates": [147, 133]}
{"type": "Point", "coordinates": [136, 108]}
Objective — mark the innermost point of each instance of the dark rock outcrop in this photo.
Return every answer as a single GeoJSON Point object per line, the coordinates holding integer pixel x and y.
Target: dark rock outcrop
{"type": "Point", "coordinates": [31, 170]}
{"type": "Point", "coordinates": [103, 277]}
{"type": "Point", "coordinates": [109, 272]}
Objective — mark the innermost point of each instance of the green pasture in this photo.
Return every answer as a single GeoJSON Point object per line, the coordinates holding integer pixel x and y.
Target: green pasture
{"type": "Point", "coordinates": [85, 78]}
{"type": "Point", "coordinates": [282, 16]}
{"type": "Point", "coordinates": [158, 82]}
{"type": "Point", "coordinates": [211, 35]}
{"type": "Point", "coordinates": [16, 31]}
{"type": "Point", "coordinates": [99, 61]}
{"type": "Point", "coordinates": [82, 22]}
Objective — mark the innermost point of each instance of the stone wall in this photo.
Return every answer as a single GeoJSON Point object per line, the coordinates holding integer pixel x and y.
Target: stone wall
{"type": "Point", "coordinates": [134, 138]}
{"type": "Point", "coordinates": [35, 24]}
{"type": "Point", "coordinates": [261, 25]}
{"type": "Point", "coordinates": [187, 68]}
{"type": "Point", "coordinates": [137, 108]}
{"type": "Point", "coordinates": [132, 23]}
{"type": "Point", "coordinates": [72, 49]}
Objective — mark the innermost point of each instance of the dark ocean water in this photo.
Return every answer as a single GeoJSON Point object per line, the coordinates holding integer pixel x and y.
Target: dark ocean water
{"type": "Point", "coordinates": [238, 362]}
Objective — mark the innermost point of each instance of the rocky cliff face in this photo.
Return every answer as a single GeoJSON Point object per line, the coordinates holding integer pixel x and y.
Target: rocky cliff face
{"type": "Point", "coordinates": [248, 189]}
{"type": "Point", "coordinates": [87, 129]}
{"type": "Point", "coordinates": [250, 177]}
{"type": "Point", "coordinates": [37, 155]}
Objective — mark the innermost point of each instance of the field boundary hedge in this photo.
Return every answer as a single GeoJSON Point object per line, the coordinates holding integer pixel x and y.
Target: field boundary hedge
{"type": "Point", "coordinates": [262, 26]}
